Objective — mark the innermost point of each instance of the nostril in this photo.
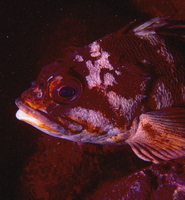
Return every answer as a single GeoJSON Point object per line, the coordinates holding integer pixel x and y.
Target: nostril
{"type": "Point", "coordinates": [38, 93]}
{"type": "Point", "coordinates": [34, 93]}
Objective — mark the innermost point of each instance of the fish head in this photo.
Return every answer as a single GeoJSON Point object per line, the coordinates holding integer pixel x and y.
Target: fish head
{"type": "Point", "coordinates": [84, 97]}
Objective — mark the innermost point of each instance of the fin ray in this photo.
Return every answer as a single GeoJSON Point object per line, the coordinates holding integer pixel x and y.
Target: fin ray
{"type": "Point", "coordinates": [160, 135]}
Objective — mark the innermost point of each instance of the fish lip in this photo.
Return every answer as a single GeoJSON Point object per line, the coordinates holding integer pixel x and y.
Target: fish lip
{"type": "Point", "coordinates": [43, 118]}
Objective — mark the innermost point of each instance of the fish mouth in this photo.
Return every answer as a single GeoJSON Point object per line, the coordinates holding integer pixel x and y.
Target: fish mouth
{"type": "Point", "coordinates": [45, 123]}
{"type": "Point", "coordinates": [61, 127]}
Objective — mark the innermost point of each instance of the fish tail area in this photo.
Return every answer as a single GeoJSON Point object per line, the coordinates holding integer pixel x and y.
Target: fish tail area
{"type": "Point", "coordinates": [160, 135]}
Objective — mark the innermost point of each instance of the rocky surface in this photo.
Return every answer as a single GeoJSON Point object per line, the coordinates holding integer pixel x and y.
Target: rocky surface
{"type": "Point", "coordinates": [165, 181]}
{"type": "Point", "coordinates": [65, 170]}
{"type": "Point", "coordinates": [61, 169]}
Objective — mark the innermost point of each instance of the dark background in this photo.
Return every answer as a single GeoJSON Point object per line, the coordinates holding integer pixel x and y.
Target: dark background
{"type": "Point", "coordinates": [33, 34]}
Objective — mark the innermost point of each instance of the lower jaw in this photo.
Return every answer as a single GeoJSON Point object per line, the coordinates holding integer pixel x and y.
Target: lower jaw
{"type": "Point", "coordinates": [39, 120]}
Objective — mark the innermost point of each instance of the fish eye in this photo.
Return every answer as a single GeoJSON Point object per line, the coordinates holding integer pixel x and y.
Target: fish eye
{"type": "Point", "coordinates": [64, 93]}
{"type": "Point", "coordinates": [67, 91]}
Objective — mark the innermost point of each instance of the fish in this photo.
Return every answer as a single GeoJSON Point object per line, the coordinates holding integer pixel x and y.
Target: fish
{"type": "Point", "coordinates": [126, 88]}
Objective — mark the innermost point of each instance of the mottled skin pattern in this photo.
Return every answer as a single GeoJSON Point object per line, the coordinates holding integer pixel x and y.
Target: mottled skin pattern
{"type": "Point", "coordinates": [116, 79]}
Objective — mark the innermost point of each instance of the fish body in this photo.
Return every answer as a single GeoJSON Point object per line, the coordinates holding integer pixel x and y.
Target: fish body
{"type": "Point", "coordinates": [127, 87]}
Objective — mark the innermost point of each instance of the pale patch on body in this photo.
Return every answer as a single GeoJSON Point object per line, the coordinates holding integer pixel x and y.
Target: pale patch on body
{"type": "Point", "coordinates": [143, 85]}
{"type": "Point", "coordinates": [93, 117]}
{"type": "Point", "coordinates": [118, 72]}
{"type": "Point", "coordinates": [164, 52]}
{"type": "Point", "coordinates": [163, 96]}
{"type": "Point", "coordinates": [95, 49]}
{"type": "Point", "coordinates": [93, 79]}
{"type": "Point", "coordinates": [126, 107]}
{"type": "Point", "coordinates": [109, 79]}
{"type": "Point", "coordinates": [147, 31]}
{"type": "Point", "coordinates": [78, 58]}
{"type": "Point", "coordinates": [154, 39]}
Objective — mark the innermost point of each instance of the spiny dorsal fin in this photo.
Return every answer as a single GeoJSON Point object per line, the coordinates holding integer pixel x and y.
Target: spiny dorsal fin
{"type": "Point", "coordinates": [150, 26]}
{"type": "Point", "coordinates": [138, 28]}
{"type": "Point", "coordinates": [160, 135]}
{"type": "Point", "coordinates": [161, 25]}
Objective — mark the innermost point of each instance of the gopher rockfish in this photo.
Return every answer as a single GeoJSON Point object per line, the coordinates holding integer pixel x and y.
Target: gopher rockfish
{"type": "Point", "coordinates": [126, 88]}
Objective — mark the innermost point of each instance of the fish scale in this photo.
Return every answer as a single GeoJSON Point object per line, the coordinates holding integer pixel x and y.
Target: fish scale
{"type": "Point", "coordinates": [127, 87]}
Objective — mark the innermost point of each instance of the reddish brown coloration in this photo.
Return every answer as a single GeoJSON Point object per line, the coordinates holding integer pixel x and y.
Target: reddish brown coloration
{"type": "Point", "coordinates": [59, 170]}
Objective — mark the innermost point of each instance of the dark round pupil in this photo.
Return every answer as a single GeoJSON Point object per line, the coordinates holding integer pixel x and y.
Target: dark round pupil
{"type": "Point", "coordinates": [67, 91]}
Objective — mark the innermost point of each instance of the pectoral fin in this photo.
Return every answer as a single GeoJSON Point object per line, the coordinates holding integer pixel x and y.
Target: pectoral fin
{"type": "Point", "coordinates": [160, 135]}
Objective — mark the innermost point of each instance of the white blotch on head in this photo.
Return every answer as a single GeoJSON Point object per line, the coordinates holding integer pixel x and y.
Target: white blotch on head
{"type": "Point", "coordinates": [109, 79]}
{"type": "Point", "coordinates": [126, 107]}
{"type": "Point", "coordinates": [102, 62]}
{"type": "Point", "coordinates": [93, 79]}
{"type": "Point", "coordinates": [95, 49]}
{"type": "Point", "coordinates": [96, 118]}
{"type": "Point", "coordinates": [163, 96]}
{"type": "Point", "coordinates": [79, 58]}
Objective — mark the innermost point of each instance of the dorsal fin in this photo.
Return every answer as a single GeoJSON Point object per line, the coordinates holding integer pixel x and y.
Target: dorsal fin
{"type": "Point", "coordinates": [149, 27]}
{"type": "Point", "coordinates": [161, 25]}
